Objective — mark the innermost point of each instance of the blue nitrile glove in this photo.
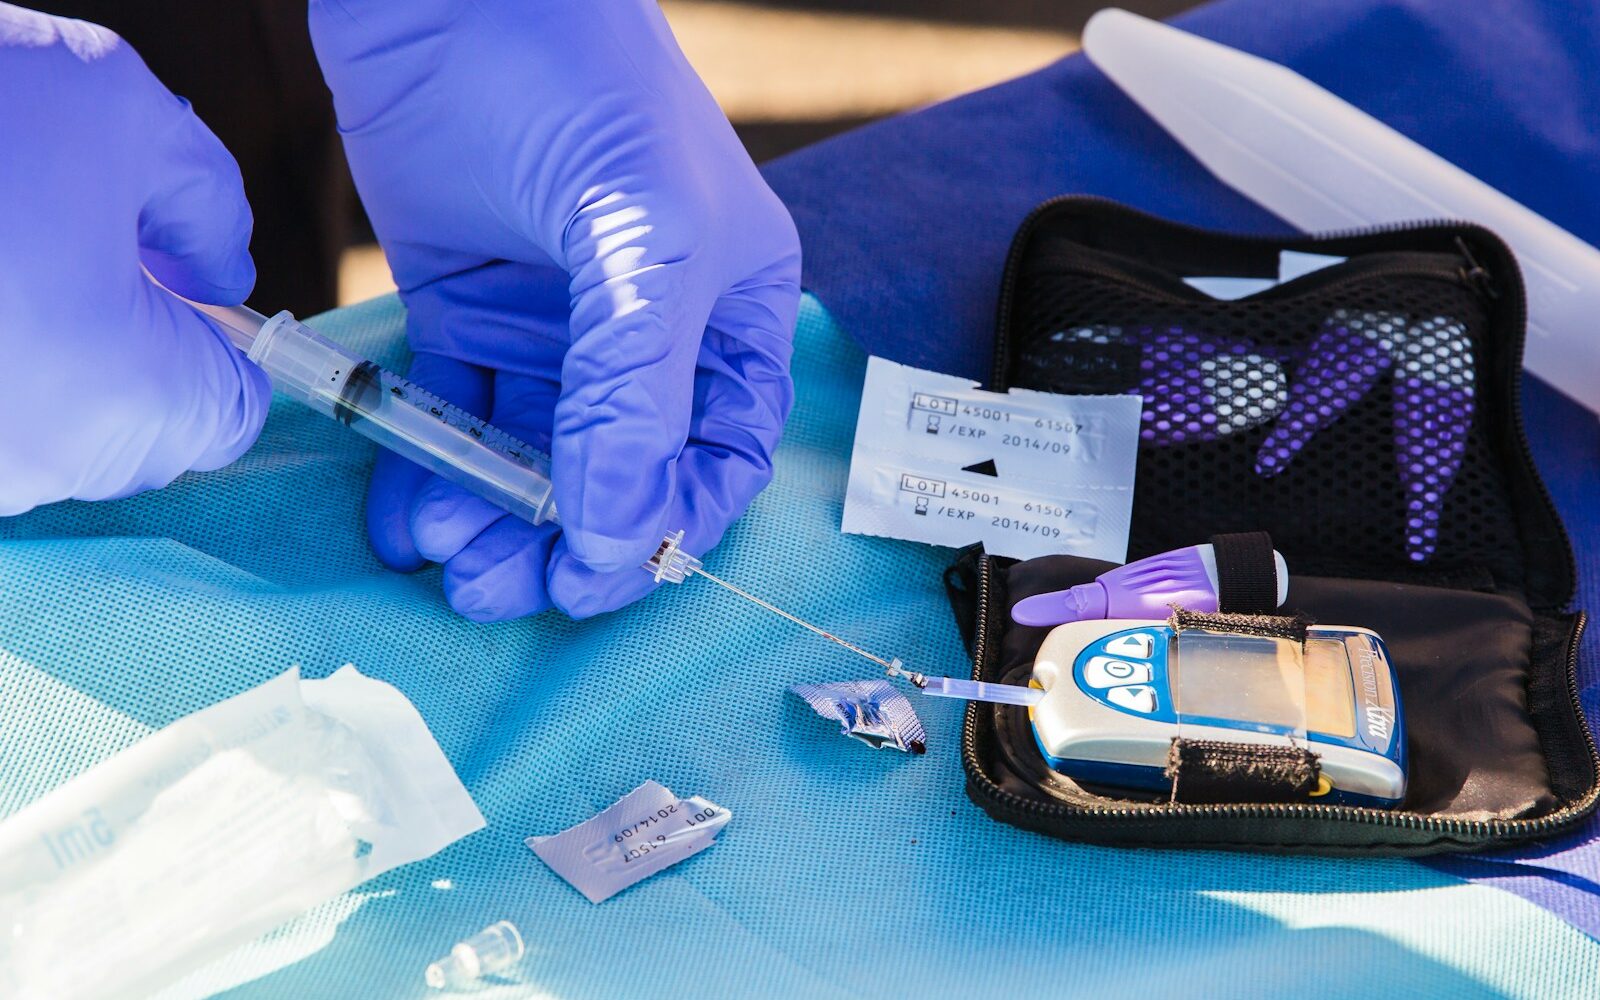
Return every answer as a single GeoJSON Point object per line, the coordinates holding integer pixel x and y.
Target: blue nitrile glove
{"type": "Point", "coordinates": [589, 259]}
{"type": "Point", "coordinates": [108, 385]}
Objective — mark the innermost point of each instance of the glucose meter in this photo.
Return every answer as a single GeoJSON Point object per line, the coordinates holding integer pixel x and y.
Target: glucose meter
{"type": "Point", "coordinates": [1118, 692]}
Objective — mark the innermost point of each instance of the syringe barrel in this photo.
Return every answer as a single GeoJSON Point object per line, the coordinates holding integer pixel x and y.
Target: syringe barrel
{"type": "Point", "coordinates": [404, 418]}
{"type": "Point", "coordinates": [412, 422]}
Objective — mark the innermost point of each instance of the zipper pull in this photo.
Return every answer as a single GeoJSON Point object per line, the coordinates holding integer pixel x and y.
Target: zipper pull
{"type": "Point", "coordinates": [1475, 273]}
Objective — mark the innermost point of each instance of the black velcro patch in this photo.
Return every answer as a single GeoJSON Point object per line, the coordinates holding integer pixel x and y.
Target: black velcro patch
{"type": "Point", "coordinates": [1209, 771]}
{"type": "Point", "coordinates": [1291, 627]}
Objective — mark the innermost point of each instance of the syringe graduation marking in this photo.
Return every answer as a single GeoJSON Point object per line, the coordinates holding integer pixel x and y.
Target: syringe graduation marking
{"type": "Point", "coordinates": [454, 416]}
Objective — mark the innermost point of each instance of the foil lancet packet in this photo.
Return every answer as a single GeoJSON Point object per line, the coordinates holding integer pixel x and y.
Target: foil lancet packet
{"type": "Point", "coordinates": [873, 712]}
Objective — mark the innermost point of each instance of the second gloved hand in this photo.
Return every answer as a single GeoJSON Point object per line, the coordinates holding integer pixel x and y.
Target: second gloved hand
{"type": "Point", "coordinates": [108, 385]}
{"type": "Point", "coordinates": [588, 259]}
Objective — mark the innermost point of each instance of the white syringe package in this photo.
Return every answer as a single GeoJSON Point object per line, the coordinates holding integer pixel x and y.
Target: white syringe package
{"type": "Point", "coordinates": [1026, 473]}
{"type": "Point", "coordinates": [216, 829]}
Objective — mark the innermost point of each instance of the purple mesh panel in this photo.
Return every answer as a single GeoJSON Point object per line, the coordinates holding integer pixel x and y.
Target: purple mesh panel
{"type": "Point", "coordinates": [1341, 416]}
{"type": "Point", "coordinates": [1432, 361]}
{"type": "Point", "coordinates": [1196, 387]}
{"type": "Point", "coordinates": [1340, 367]}
{"type": "Point", "coordinates": [1200, 387]}
{"type": "Point", "coordinates": [1433, 404]}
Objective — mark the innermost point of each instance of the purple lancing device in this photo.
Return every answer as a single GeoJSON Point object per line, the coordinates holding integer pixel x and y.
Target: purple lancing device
{"type": "Point", "coordinates": [1146, 588]}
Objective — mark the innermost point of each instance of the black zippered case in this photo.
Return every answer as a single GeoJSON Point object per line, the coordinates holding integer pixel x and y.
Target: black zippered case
{"type": "Point", "coordinates": [1366, 415]}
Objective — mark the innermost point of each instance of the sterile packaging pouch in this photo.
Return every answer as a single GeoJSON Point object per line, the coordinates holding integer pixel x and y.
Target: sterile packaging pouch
{"type": "Point", "coordinates": [939, 460]}
{"type": "Point", "coordinates": [216, 829]}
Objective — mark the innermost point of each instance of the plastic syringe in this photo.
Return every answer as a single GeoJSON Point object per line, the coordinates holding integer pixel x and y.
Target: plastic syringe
{"type": "Point", "coordinates": [412, 421]}
{"type": "Point", "coordinates": [409, 420]}
{"type": "Point", "coordinates": [438, 435]}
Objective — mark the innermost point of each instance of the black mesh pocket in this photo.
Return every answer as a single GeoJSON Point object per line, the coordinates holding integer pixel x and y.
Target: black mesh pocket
{"type": "Point", "coordinates": [1342, 412]}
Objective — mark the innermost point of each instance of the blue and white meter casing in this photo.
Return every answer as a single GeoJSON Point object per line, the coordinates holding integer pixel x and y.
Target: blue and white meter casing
{"type": "Point", "coordinates": [1118, 692]}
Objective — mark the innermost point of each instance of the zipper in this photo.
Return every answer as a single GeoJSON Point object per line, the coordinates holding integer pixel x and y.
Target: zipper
{"type": "Point", "coordinates": [1462, 270]}
{"type": "Point", "coordinates": [1008, 279]}
{"type": "Point", "coordinates": [1475, 274]}
{"type": "Point", "coordinates": [1513, 376]}
{"type": "Point", "coordinates": [1458, 829]}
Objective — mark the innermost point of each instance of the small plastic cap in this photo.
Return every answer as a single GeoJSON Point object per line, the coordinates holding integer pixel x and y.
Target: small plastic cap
{"type": "Point", "coordinates": [898, 669]}
{"type": "Point", "coordinates": [1085, 602]}
{"type": "Point", "coordinates": [444, 972]}
{"type": "Point", "coordinates": [494, 949]}
{"type": "Point", "coordinates": [671, 563]}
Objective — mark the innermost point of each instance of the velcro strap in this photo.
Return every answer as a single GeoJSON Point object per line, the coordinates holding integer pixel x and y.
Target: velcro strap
{"type": "Point", "coordinates": [1203, 771]}
{"type": "Point", "coordinates": [1272, 626]}
{"type": "Point", "coordinates": [1247, 575]}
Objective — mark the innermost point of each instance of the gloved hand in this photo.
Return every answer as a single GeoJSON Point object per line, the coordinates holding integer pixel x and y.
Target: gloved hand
{"type": "Point", "coordinates": [108, 385]}
{"type": "Point", "coordinates": [589, 259]}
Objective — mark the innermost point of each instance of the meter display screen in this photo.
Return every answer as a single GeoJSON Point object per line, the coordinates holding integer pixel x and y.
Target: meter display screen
{"type": "Point", "coordinates": [1330, 696]}
{"type": "Point", "coordinates": [1262, 680]}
